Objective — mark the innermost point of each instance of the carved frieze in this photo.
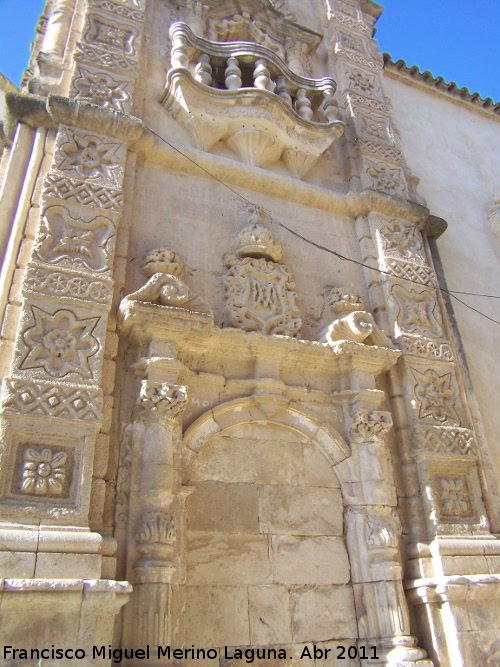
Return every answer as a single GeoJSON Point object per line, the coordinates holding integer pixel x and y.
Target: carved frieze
{"type": "Point", "coordinates": [68, 284]}
{"type": "Point", "coordinates": [100, 57]}
{"type": "Point", "coordinates": [127, 9]}
{"type": "Point", "coordinates": [444, 440]}
{"type": "Point", "coordinates": [60, 343]}
{"type": "Point", "coordinates": [356, 99]}
{"type": "Point", "coordinates": [83, 193]}
{"type": "Point", "coordinates": [417, 311]}
{"type": "Point", "coordinates": [161, 401]}
{"type": "Point", "coordinates": [44, 472]}
{"type": "Point", "coordinates": [61, 401]}
{"type": "Point", "coordinates": [259, 291]}
{"type": "Point", "coordinates": [428, 349]}
{"type": "Point", "coordinates": [410, 271]}
{"type": "Point", "coordinates": [75, 242]}
{"type": "Point", "coordinates": [435, 397]}
{"type": "Point", "coordinates": [102, 89]}
{"type": "Point", "coordinates": [89, 157]}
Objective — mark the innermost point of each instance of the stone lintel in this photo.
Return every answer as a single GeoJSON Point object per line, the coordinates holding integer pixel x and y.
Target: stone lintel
{"type": "Point", "coordinates": [196, 335]}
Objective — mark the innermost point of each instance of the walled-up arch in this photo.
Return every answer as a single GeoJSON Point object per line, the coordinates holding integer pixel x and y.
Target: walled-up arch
{"type": "Point", "coordinates": [266, 560]}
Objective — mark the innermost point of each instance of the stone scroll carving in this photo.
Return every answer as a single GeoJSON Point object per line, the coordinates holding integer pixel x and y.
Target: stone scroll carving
{"type": "Point", "coordinates": [351, 321]}
{"type": "Point", "coordinates": [163, 401]}
{"type": "Point", "coordinates": [259, 290]}
{"type": "Point", "coordinates": [166, 286]}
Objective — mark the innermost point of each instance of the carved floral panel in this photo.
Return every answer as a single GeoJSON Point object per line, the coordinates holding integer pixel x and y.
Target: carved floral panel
{"type": "Point", "coordinates": [111, 35]}
{"type": "Point", "coordinates": [416, 312]}
{"type": "Point", "coordinates": [44, 472]}
{"type": "Point", "coordinates": [102, 89]}
{"type": "Point", "coordinates": [435, 396]}
{"type": "Point", "coordinates": [90, 157]}
{"type": "Point", "coordinates": [74, 242]}
{"type": "Point", "coordinates": [60, 343]}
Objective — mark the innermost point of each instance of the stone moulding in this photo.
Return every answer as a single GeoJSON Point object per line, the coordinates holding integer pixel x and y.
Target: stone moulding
{"type": "Point", "coordinates": [260, 125]}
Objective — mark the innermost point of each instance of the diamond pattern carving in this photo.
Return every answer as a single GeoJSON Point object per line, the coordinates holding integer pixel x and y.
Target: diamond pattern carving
{"type": "Point", "coordinates": [66, 401]}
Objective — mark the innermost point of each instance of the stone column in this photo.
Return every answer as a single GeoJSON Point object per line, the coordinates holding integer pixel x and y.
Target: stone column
{"type": "Point", "coordinates": [155, 514]}
{"type": "Point", "coordinates": [373, 533]}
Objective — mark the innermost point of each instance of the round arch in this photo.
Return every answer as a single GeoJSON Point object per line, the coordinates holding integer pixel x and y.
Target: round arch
{"type": "Point", "coordinates": [262, 409]}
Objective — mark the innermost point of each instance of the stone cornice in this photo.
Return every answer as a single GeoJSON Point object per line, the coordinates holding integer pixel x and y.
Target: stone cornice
{"type": "Point", "coordinates": [51, 111]}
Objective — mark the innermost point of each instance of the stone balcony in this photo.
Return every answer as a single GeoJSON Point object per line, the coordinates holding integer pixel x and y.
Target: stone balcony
{"type": "Point", "coordinates": [242, 93]}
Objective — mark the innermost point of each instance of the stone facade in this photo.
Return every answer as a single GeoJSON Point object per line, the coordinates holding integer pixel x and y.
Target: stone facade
{"type": "Point", "coordinates": [266, 442]}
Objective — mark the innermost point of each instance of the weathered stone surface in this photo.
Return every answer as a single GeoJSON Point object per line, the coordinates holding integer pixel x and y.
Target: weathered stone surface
{"type": "Point", "coordinates": [227, 559]}
{"type": "Point", "coordinates": [269, 615]}
{"type": "Point", "coordinates": [231, 459]}
{"type": "Point", "coordinates": [322, 611]}
{"type": "Point", "coordinates": [309, 560]}
{"type": "Point", "coordinates": [223, 508]}
{"type": "Point", "coordinates": [300, 510]}
{"type": "Point", "coordinates": [215, 616]}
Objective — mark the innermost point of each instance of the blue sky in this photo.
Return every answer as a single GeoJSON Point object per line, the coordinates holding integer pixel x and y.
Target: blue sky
{"type": "Point", "coordinates": [457, 39]}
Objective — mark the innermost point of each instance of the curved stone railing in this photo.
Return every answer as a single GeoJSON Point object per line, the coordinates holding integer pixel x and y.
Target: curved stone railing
{"type": "Point", "coordinates": [236, 65]}
{"type": "Point", "coordinates": [242, 93]}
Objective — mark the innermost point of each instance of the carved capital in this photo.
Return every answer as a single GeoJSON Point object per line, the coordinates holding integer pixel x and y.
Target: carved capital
{"type": "Point", "coordinates": [161, 401]}
{"type": "Point", "coordinates": [370, 426]}
{"type": "Point", "coordinates": [155, 538]}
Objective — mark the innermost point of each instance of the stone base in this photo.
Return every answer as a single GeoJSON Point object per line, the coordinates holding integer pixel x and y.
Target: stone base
{"type": "Point", "coordinates": [62, 615]}
{"type": "Point", "coordinates": [462, 615]}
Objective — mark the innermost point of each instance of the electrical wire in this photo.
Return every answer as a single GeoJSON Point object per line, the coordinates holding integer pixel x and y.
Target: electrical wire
{"type": "Point", "coordinates": [451, 293]}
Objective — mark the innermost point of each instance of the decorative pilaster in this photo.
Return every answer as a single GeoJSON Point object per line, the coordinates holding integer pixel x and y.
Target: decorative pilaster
{"type": "Point", "coordinates": [156, 513]}
{"type": "Point", "coordinates": [373, 533]}
{"type": "Point", "coordinates": [377, 157]}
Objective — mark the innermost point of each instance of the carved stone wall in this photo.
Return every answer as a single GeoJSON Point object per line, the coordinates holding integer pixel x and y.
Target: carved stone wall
{"type": "Point", "coordinates": [269, 437]}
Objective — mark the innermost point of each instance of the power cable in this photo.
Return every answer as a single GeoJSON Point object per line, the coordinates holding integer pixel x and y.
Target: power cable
{"type": "Point", "coordinates": [451, 293]}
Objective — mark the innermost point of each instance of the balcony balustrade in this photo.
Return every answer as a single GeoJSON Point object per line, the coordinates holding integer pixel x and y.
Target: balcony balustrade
{"type": "Point", "coordinates": [244, 94]}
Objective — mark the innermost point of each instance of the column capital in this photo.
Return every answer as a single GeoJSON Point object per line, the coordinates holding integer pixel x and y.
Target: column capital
{"type": "Point", "coordinates": [161, 401]}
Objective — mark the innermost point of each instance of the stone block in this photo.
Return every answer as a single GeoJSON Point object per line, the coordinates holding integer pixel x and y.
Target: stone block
{"type": "Point", "coordinates": [17, 564]}
{"type": "Point", "coordinates": [483, 614]}
{"type": "Point", "coordinates": [309, 560]}
{"type": "Point", "coordinates": [319, 612]}
{"type": "Point", "coordinates": [269, 615]}
{"type": "Point", "coordinates": [101, 455]}
{"type": "Point", "coordinates": [67, 566]}
{"type": "Point", "coordinates": [285, 510]}
{"type": "Point", "coordinates": [10, 322]}
{"type": "Point", "coordinates": [232, 459]}
{"type": "Point", "coordinates": [453, 565]}
{"type": "Point", "coordinates": [215, 616]}
{"type": "Point", "coordinates": [227, 559]}
{"type": "Point", "coordinates": [223, 508]}
{"type": "Point", "coordinates": [317, 470]}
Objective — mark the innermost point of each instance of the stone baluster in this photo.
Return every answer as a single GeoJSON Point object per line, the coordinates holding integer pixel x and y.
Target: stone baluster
{"type": "Point", "coordinates": [261, 75]}
{"type": "Point", "coordinates": [283, 89]}
{"type": "Point", "coordinates": [233, 74]}
{"type": "Point", "coordinates": [303, 105]}
{"type": "Point", "coordinates": [373, 535]}
{"type": "Point", "coordinates": [203, 71]}
{"type": "Point", "coordinates": [330, 105]}
{"type": "Point", "coordinates": [155, 514]}
{"type": "Point", "coordinates": [179, 55]}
